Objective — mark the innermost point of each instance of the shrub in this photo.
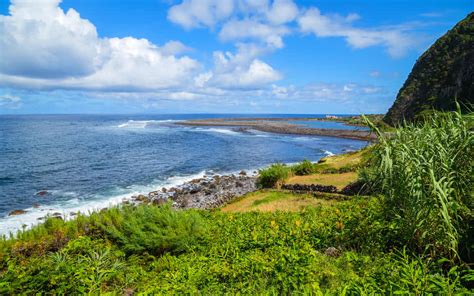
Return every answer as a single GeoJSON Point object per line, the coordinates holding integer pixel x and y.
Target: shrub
{"type": "Point", "coordinates": [273, 176]}
{"type": "Point", "coordinates": [155, 230]}
{"type": "Point", "coordinates": [303, 168]}
{"type": "Point", "coordinates": [425, 172]}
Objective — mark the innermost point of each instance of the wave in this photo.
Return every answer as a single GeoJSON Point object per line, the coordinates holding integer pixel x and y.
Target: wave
{"type": "Point", "coordinates": [219, 130]}
{"type": "Point", "coordinates": [139, 124]}
{"type": "Point", "coordinates": [75, 204]}
{"type": "Point", "coordinates": [328, 153]}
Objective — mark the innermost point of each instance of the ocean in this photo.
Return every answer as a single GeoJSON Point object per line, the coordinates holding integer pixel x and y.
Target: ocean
{"type": "Point", "coordinates": [88, 162]}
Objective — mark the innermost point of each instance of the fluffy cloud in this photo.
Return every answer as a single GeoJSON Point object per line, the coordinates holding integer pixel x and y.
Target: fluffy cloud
{"type": "Point", "coordinates": [250, 29]}
{"type": "Point", "coordinates": [200, 13]}
{"type": "Point", "coordinates": [238, 20]}
{"type": "Point", "coordinates": [396, 40]}
{"type": "Point", "coordinates": [239, 70]}
{"type": "Point", "coordinates": [43, 46]}
{"type": "Point", "coordinates": [39, 40]}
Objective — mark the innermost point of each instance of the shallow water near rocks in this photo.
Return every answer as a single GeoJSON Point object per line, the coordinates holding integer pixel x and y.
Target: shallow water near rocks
{"type": "Point", "coordinates": [69, 163]}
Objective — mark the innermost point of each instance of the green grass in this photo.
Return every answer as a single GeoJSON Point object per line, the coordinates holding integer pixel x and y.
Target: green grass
{"type": "Point", "coordinates": [412, 237]}
{"type": "Point", "coordinates": [269, 198]}
{"type": "Point", "coordinates": [247, 253]}
{"type": "Point", "coordinates": [425, 173]}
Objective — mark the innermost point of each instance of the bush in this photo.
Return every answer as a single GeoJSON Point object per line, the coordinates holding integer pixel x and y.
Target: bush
{"type": "Point", "coordinates": [303, 168]}
{"type": "Point", "coordinates": [425, 172]}
{"type": "Point", "coordinates": [155, 230]}
{"type": "Point", "coordinates": [273, 176]}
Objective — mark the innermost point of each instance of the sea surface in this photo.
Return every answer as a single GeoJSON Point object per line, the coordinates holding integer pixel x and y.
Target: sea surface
{"type": "Point", "coordinates": [88, 162]}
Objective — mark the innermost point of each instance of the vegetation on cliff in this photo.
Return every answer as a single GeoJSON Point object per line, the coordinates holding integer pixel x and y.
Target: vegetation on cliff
{"type": "Point", "coordinates": [443, 75]}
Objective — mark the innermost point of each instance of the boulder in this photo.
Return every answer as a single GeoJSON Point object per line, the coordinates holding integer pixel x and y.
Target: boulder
{"type": "Point", "coordinates": [17, 212]}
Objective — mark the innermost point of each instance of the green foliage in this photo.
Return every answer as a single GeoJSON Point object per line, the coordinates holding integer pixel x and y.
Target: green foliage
{"type": "Point", "coordinates": [153, 229]}
{"type": "Point", "coordinates": [426, 174]}
{"type": "Point", "coordinates": [273, 176]}
{"type": "Point", "coordinates": [247, 253]}
{"type": "Point", "coordinates": [303, 168]}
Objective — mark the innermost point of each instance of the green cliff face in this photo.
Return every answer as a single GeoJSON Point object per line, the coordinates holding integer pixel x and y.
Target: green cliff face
{"type": "Point", "coordinates": [442, 75]}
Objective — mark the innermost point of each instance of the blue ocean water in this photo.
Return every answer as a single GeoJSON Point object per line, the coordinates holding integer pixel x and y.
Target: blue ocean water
{"type": "Point", "coordinates": [328, 125]}
{"type": "Point", "coordinates": [87, 162]}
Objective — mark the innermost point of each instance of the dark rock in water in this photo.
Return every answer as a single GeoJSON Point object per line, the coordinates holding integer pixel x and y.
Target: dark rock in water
{"type": "Point", "coordinates": [35, 205]}
{"type": "Point", "coordinates": [243, 173]}
{"type": "Point", "coordinates": [41, 193]}
{"type": "Point", "coordinates": [73, 213]}
{"type": "Point", "coordinates": [332, 252]}
{"type": "Point", "coordinates": [17, 212]}
{"type": "Point", "coordinates": [56, 214]}
{"type": "Point", "coordinates": [163, 190]}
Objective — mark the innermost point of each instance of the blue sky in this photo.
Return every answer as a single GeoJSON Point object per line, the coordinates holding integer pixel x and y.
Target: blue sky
{"type": "Point", "coordinates": [213, 56]}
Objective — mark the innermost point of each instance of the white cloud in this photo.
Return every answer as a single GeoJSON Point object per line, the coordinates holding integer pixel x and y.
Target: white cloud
{"type": "Point", "coordinates": [10, 102]}
{"type": "Point", "coordinates": [239, 20]}
{"type": "Point", "coordinates": [200, 13]}
{"type": "Point", "coordinates": [44, 47]}
{"type": "Point", "coordinates": [39, 40]}
{"type": "Point", "coordinates": [174, 47]}
{"type": "Point", "coordinates": [282, 11]}
{"type": "Point", "coordinates": [251, 29]}
{"type": "Point", "coordinates": [396, 40]}
{"type": "Point", "coordinates": [239, 70]}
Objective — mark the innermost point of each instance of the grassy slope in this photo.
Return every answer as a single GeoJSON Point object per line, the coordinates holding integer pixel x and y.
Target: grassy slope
{"type": "Point", "coordinates": [273, 200]}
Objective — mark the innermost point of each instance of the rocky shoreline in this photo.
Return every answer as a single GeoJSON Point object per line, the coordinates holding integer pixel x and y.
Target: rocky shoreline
{"type": "Point", "coordinates": [281, 127]}
{"type": "Point", "coordinates": [203, 193]}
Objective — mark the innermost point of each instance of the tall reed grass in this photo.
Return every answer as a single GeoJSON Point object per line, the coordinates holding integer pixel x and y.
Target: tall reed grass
{"type": "Point", "coordinates": [425, 173]}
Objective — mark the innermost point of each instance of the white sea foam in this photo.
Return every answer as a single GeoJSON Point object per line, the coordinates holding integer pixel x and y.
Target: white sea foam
{"type": "Point", "coordinates": [328, 153]}
{"type": "Point", "coordinates": [33, 216]}
{"type": "Point", "coordinates": [138, 124]}
{"type": "Point", "coordinates": [218, 130]}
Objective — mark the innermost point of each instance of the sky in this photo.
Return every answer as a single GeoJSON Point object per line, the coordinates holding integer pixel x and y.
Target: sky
{"type": "Point", "coordinates": [213, 56]}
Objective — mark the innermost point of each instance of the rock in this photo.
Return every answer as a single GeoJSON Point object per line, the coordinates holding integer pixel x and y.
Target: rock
{"type": "Point", "coordinates": [17, 212]}
{"type": "Point", "coordinates": [332, 252]}
{"type": "Point", "coordinates": [243, 173]}
{"type": "Point", "coordinates": [36, 205]}
{"type": "Point", "coordinates": [41, 193]}
{"type": "Point", "coordinates": [142, 198]}
{"type": "Point", "coordinates": [160, 201]}
{"type": "Point", "coordinates": [163, 190]}
{"type": "Point", "coordinates": [206, 193]}
{"type": "Point", "coordinates": [73, 213]}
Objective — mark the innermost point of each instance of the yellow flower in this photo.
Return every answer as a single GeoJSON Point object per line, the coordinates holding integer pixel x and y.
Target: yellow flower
{"type": "Point", "coordinates": [339, 225]}
{"type": "Point", "coordinates": [298, 223]}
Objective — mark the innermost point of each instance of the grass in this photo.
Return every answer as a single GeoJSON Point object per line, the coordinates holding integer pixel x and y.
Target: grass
{"type": "Point", "coordinates": [412, 237]}
{"type": "Point", "coordinates": [425, 172]}
{"type": "Point", "coordinates": [280, 252]}
{"type": "Point", "coordinates": [343, 160]}
{"type": "Point", "coordinates": [272, 200]}
{"type": "Point", "coordinates": [339, 180]}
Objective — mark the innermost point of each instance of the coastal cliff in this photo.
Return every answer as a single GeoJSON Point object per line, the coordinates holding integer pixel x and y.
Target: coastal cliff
{"type": "Point", "coordinates": [443, 75]}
